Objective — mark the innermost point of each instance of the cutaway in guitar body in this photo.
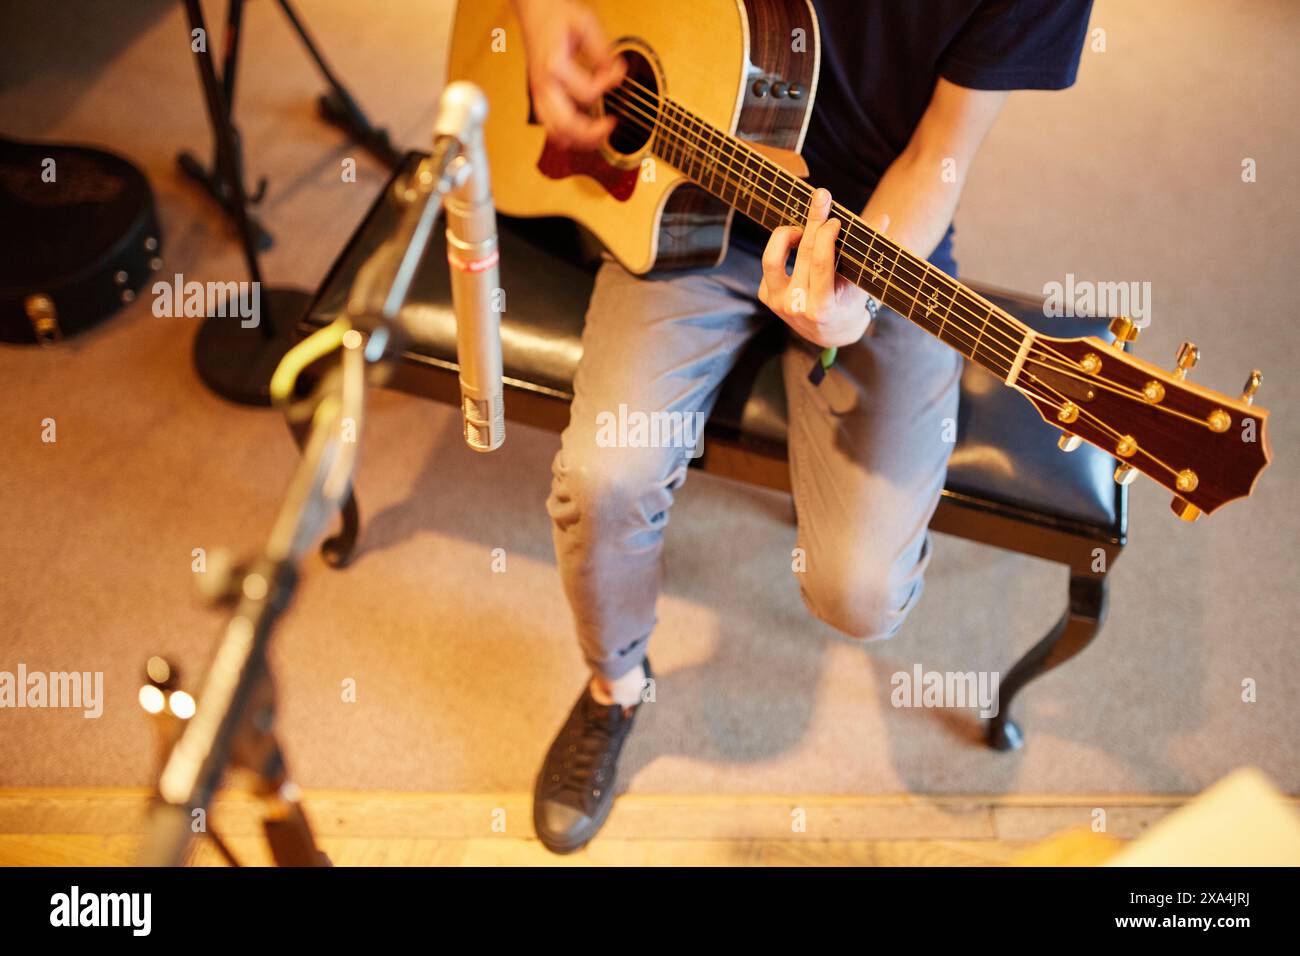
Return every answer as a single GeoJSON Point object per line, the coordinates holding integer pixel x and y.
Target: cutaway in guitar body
{"type": "Point", "coordinates": [783, 50]}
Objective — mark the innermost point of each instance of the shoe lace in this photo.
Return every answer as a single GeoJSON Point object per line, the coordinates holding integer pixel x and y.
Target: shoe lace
{"type": "Point", "coordinates": [586, 755]}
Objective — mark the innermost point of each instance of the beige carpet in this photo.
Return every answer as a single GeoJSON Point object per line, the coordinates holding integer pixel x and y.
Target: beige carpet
{"type": "Point", "coordinates": [462, 674]}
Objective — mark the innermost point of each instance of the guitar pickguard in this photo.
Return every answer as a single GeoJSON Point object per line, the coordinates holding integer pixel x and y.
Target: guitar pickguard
{"type": "Point", "coordinates": [558, 163]}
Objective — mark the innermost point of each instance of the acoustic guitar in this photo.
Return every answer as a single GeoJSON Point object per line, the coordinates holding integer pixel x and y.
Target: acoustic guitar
{"type": "Point", "coordinates": [710, 118]}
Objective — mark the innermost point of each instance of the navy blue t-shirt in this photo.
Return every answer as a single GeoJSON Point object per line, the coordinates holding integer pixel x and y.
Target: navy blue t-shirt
{"type": "Point", "coordinates": [880, 60]}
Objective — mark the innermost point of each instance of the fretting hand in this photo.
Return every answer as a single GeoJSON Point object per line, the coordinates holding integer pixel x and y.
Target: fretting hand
{"type": "Point", "coordinates": [820, 305]}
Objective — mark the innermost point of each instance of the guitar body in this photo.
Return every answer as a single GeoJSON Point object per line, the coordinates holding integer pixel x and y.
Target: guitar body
{"type": "Point", "coordinates": [720, 56]}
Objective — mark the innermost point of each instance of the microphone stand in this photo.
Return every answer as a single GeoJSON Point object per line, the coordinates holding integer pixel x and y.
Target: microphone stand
{"type": "Point", "coordinates": [336, 107]}
{"type": "Point", "coordinates": [233, 723]}
{"type": "Point", "coordinates": [233, 361]}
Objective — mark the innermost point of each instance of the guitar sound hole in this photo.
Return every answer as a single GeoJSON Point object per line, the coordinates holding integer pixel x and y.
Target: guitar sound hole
{"type": "Point", "coordinates": [635, 105]}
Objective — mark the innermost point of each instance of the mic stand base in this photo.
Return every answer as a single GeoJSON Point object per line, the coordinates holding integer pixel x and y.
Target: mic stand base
{"type": "Point", "coordinates": [285, 826]}
{"type": "Point", "coordinates": [237, 363]}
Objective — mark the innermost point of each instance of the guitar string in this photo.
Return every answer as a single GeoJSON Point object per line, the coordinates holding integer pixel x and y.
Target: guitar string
{"type": "Point", "coordinates": [1067, 367]}
{"type": "Point", "coordinates": [1107, 428]}
{"type": "Point", "coordinates": [655, 127]}
{"type": "Point", "coordinates": [777, 205]}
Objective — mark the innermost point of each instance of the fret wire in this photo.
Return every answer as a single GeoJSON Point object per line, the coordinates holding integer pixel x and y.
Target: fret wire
{"type": "Point", "coordinates": [862, 263]}
{"type": "Point", "coordinates": [996, 361]}
{"type": "Point", "coordinates": [714, 152]}
{"type": "Point", "coordinates": [755, 180]}
{"type": "Point", "coordinates": [946, 283]}
{"type": "Point", "coordinates": [700, 152]}
{"type": "Point", "coordinates": [932, 305]}
{"type": "Point", "coordinates": [916, 300]}
{"type": "Point", "coordinates": [889, 279]}
{"type": "Point", "coordinates": [758, 207]}
{"type": "Point", "coordinates": [934, 298]}
{"type": "Point", "coordinates": [863, 266]}
{"type": "Point", "coordinates": [738, 174]}
{"type": "Point", "coordinates": [983, 328]}
{"type": "Point", "coordinates": [957, 337]}
{"type": "Point", "coordinates": [706, 152]}
{"type": "Point", "coordinates": [742, 180]}
{"type": "Point", "coordinates": [729, 174]}
{"type": "Point", "coordinates": [798, 208]}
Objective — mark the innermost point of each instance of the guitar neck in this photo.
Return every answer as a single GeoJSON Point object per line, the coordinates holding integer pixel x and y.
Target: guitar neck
{"type": "Point", "coordinates": [751, 183]}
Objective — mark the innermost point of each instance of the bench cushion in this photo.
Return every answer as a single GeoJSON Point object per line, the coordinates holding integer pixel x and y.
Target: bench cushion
{"type": "Point", "coordinates": [1005, 453]}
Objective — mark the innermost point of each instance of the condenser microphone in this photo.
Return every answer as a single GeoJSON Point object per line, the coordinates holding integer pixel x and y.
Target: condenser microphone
{"type": "Point", "coordinates": [472, 256]}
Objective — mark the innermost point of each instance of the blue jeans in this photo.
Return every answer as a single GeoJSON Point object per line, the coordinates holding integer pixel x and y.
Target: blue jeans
{"type": "Point", "coordinates": [868, 453]}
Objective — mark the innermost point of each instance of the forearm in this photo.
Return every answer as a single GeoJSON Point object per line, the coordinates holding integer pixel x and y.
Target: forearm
{"type": "Point", "coordinates": [920, 190]}
{"type": "Point", "coordinates": [918, 199]}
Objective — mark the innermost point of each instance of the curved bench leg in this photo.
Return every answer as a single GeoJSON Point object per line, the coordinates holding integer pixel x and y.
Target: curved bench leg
{"type": "Point", "coordinates": [338, 549]}
{"type": "Point", "coordinates": [1072, 633]}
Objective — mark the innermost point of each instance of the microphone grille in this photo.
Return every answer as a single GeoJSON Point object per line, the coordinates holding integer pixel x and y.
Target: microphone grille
{"type": "Point", "coordinates": [485, 424]}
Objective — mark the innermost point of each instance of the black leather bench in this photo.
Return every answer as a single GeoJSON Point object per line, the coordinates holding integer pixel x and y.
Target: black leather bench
{"type": "Point", "coordinates": [1008, 484]}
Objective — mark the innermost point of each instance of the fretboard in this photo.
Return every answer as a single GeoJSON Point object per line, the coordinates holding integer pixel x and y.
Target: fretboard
{"type": "Point", "coordinates": [760, 189]}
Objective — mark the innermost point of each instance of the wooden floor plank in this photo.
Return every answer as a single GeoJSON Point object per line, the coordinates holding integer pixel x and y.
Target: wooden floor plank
{"type": "Point", "coordinates": [85, 850]}
{"type": "Point", "coordinates": [103, 827]}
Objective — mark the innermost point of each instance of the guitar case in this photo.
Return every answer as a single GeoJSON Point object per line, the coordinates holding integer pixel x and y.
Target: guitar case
{"type": "Point", "coordinates": [78, 238]}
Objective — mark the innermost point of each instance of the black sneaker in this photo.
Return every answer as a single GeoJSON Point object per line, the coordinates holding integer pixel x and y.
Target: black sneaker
{"type": "Point", "coordinates": [575, 787]}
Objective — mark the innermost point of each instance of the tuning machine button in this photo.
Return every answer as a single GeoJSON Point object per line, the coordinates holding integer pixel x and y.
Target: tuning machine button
{"type": "Point", "coordinates": [1125, 474]}
{"type": "Point", "coordinates": [1186, 359]}
{"type": "Point", "coordinates": [1123, 329]}
{"type": "Point", "coordinates": [1068, 442]}
{"type": "Point", "coordinates": [1185, 509]}
{"type": "Point", "coordinates": [1251, 387]}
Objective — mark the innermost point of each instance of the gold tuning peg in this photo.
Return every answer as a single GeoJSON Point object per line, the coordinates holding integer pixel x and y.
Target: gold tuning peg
{"type": "Point", "coordinates": [1125, 473]}
{"type": "Point", "coordinates": [1068, 442]}
{"type": "Point", "coordinates": [1251, 387]}
{"type": "Point", "coordinates": [1186, 359]}
{"type": "Point", "coordinates": [1123, 329]}
{"type": "Point", "coordinates": [1185, 509]}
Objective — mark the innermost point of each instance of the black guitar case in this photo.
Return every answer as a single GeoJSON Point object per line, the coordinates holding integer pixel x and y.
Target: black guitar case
{"type": "Point", "coordinates": [78, 238]}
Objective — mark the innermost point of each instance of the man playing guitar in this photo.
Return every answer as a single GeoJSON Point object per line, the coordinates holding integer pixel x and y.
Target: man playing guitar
{"type": "Point", "coordinates": [906, 94]}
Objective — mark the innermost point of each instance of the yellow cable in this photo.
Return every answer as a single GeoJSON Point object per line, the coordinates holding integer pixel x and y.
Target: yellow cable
{"type": "Point", "coordinates": [317, 345]}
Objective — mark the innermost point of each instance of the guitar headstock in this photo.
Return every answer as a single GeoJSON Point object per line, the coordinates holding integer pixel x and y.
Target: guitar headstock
{"type": "Point", "coordinates": [1206, 448]}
